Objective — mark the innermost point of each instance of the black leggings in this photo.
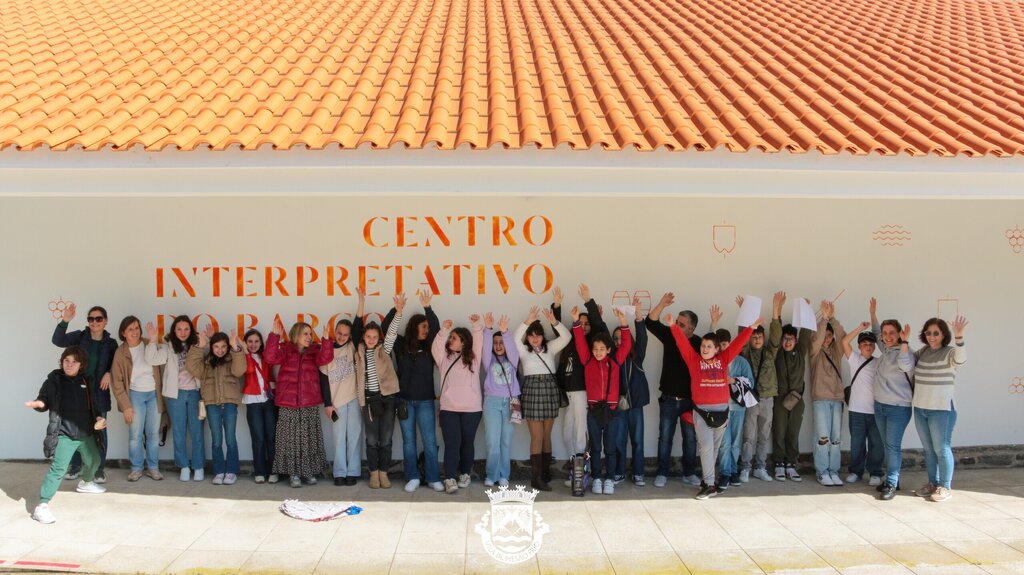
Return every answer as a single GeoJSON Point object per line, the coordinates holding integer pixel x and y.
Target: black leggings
{"type": "Point", "coordinates": [379, 429]}
{"type": "Point", "coordinates": [458, 429]}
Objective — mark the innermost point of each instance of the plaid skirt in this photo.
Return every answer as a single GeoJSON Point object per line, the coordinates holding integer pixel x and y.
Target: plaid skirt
{"type": "Point", "coordinates": [299, 443]}
{"type": "Point", "coordinates": [541, 397]}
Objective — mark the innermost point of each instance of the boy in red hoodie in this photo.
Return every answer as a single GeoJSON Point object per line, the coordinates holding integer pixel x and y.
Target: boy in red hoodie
{"type": "Point", "coordinates": [709, 377]}
{"type": "Point", "coordinates": [601, 375]}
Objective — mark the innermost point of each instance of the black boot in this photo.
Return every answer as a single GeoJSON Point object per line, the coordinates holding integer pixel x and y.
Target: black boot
{"type": "Point", "coordinates": [545, 467]}
{"type": "Point", "coordinates": [536, 474]}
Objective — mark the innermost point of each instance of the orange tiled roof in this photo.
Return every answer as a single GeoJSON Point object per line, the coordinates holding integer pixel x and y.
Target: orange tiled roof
{"type": "Point", "coordinates": [890, 76]}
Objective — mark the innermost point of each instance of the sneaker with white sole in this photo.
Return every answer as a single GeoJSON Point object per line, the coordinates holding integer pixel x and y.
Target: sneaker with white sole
{"type": "Point", "coordinates": [71, 476]}
{"type": "Point", "coordinates": [707, 492]}
{"type": "Point", "coordinates": [273, 478]}
{"type": "Point", "coordinates": [185, 474]}
{"type": "Point", "coordinates": [134, 476]}
{"type": "Point", "coordinates": [412, 485]}
{"type": "Point", "coordinates": [780, 473]}
{"type": "Point", "coordinates": [154, 474]}
{"type": "Point", "coordinates": [875, 481]}
{"type": "Point", "coordinates": [609, 487]}
{"type": "Point", "coordinates": [598, 487]}
{"type": "Point", "coordinates": [762, 474]}
{"type": "Point", "coordinates": [618, 479]}
{"type": "Point", "coordinates": [230, 479]}
{"type": "Point", "coordinates": [835, 479]}
{"type": "Point", "coordinates": [450, 486]}
{"type": "Point", "coordinates": [825, 479]}
{"type": "Point", "coordinates": [199, 475]}
{"type": "Point", "coordinates": [926, 490]}
{"type": "Point", "coordinates": [43, 514]}
{"type": "Point", "coordinates": [488, 482]}
{"type": "Point", "coordinates": [436, 486]}
{"type": "Point", "coordinates": [295, 481]}
{"type": "Point", "coordinates": [852, 478]}
{"type": "Point", "coordinates": [940, 494]}
{"type": "Point", "coordinates": [660, 481]}
{"type": "Point", "coordinates": [90, 487]}
{"type": "Point", "coordinates": [503, 483]}
{"type": "Point", "coordinates": [218, 479]}
{"type": "Point", "coordinates": [259, 479]}
{"type": "Point", "coordinates": [745, 476]}
{"type": "Point", "coordinates": [568, 483]}
{"type": "Point", "coordinates": [792, 475]}
{"type": "Point", "coordinates": [691, 480]}
{"type": "Point", "coordinates": [101, 477]}
{"type": "Point", "coordinates": [638, 480]}
{"type": "Point", "coordinates": [464, 481]}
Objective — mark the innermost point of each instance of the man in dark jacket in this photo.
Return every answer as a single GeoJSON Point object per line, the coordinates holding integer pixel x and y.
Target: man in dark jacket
{"type": "Point", "coordinates": [100, 348]}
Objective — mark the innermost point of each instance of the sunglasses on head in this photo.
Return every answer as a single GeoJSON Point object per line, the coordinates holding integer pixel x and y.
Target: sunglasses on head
{"type": "Point", "coordinates": [95, 319]}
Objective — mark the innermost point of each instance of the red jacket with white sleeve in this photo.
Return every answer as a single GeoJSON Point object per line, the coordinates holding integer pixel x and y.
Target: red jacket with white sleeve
{"type": "Point", "coordinates": [603, 375]}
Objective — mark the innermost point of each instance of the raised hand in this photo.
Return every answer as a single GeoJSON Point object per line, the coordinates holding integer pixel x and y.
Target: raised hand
{"type": "Point", "coordinates": [550, 316]}
{"type": "Point", "coordinates": [489, 320]}
{"type": "Point", "coordinates": [278, 328]}
{"type": "Point", "coordinates": [361, 295]}
{"type": "Point", "coordinates": [757, 322]}
{"type": "Point", "coordinates": [209, 330]}
{"type": "Point", "coordinates": [204, 337]}
{"type": "Point", "coordinates": [575, 313]}
{"type": "Point", "coordinates": [584, 293]}
{"type": "Point", "coordinates": [556, 296]}
{"type": "Point", "coordinates": [958, 326]}
{"type": "Point", "coordinates": [905, 334]}
{"type": "Point", "coordinates": [327, 334]}
{"type": "Point", "coordinates": [151, 332]}
{"type": "Point", "coordinates": [667, 299]}
{"type": "Point", "coordinates": [425, 297]}
{"type": "Point", "coordinates": [474, 318]}
{"type": "Point", "coordinates": [622, 316]}
{"type": "Point", "coordinates": [862, 326]}
{"type": "Point", "coordinates": [503, 323]}
{"type": "Point", "coordinates": [739, 301]}
{"type": "Point", "coordinates": [716, 314]}
{"type": "Point", "coordinates": [399, 300]}
{"type": "Point", "coordinates": [872, 306]}
{"type": "Point", "coordinates": [778, 301]}
{"type": "Point", "coordinates": [666, 319]}
{"type": "Point", "coordinates": [447, 324]}
{"type": "Point", "coordinates": [826, 309]}
{"type": "Point", "coordinates": [532, 315]}
{"type": "Point", "coordinates": [233, 341]}
{"type": "Point", "coordinates": [68, 314]}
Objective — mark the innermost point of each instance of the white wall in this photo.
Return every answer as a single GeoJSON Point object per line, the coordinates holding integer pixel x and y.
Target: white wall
{"type": "Point", "coordinates": [99, 229]}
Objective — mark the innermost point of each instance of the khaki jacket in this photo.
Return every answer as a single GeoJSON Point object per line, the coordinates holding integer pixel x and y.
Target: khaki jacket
{"type": "Point", "coordinates": [121, 379]}
{"type": "Point", "coordinates": [826, 381]}
{"type": "Point", "coordinates": [219, 384]}
{"type": "Point", "coordinates": [385, 373]}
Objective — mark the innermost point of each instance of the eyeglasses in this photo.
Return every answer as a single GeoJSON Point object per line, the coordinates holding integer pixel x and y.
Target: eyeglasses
{"type": "Point", "coordinates": [933, 333]}
{"type": "Point", "coordinates": [96, 319]}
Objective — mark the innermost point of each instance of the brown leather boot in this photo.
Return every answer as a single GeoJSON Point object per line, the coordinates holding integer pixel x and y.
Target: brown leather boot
{"type": "Point", "coordinates": [536, 473]}
{"type": "Point", "coordinates": [382, 477]}
{"type": "Point", "coordinates": [545, 467]}
{"type": "Point", "coordinates": [374, 480]}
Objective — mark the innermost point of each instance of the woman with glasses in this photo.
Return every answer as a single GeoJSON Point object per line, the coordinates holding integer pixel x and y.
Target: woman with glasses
{"type": "Point", "coordinates": [893, 395]}
{"type": "Point", "coordinates": [934, 415]}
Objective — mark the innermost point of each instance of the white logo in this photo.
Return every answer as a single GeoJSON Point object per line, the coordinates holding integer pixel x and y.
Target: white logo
{"type": "Point", "coordinates": [512, 531]}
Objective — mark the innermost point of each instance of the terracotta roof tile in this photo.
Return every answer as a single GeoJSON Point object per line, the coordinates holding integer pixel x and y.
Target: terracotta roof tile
{"type": "Point", "coordinates": [941, 77]}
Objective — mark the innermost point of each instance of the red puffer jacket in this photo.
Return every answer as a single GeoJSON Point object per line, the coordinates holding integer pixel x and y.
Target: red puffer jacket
{"type": "Point", "coordinates": [298, 380]}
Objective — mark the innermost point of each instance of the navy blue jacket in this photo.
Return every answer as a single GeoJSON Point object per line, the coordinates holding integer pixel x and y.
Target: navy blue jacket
{"type": "Point", "coordinates": [415, 370]}
{"type": "Point", "coordinates": [62, 338]}
{"type": "Point", "coordinates": [632, 371]}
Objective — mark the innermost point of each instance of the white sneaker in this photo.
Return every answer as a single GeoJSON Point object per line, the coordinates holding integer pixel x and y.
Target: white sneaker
{"type": "Point", "coordinates": [198, 475]}
{"type": "Point", "coordinates": [43, 514]}
{"type": "Point", "coordinates": [503, 483]}
{"type": "Point", "coordinates": [414, 484]}
{"type": "Point", "coordinates": [875, 481]}
{"type": "Point", "coordinates": [185, 475]}
{"type": "Point", "coordinates": [691, 480]}
{"type": "Point", "coordinates": [825, 479]}
{"type": "Point", "coordinates": [660, 481]}
{"type": "Point", "coordinates": [835, 479]}
{"type": "Point", "coordinates": [745, 476]}
{"type": "Point", "coordinates": [599, 487]}
{"type": "Point", "coordinates": [780, 473]}
{"type": "Point", "coordinates": [568, 482]}
{"type": "Point", "coordinates": [260, 479]}
{"type": "Point", "coordinates": [230, 479]}
{"type": "Point", "coordinates": [762, 474]}
{"type": "Point", "coordinates": [488, 482]}
{"type": "Point", "coordinates": [218, 479]}
{"type": "Point", "coordinates": [609, 487]}
{"type": "Point", "coordinates": [464, 481]}
{"type": "Point", "coordinates": [273, 478]}
{"type": "Point", "coordinates": [792, 475]}
{"type": "Point", "coordinates": [436, 486]}
{"type": "Point", "coordinates": [852, 478]}
{"type": "Point", "coordinates": [90, 487]}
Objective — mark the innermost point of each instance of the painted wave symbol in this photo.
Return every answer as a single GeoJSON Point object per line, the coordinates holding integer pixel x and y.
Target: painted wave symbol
{"type": "Point", "coordinates": [891, 235]}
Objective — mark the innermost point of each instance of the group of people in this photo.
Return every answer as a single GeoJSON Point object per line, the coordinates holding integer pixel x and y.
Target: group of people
{"type": "Point", "coordinates": [730, 397]}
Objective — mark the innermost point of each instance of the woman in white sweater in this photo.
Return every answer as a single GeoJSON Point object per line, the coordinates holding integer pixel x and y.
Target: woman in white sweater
{"type": "Point", "coordinates": [541, 398]}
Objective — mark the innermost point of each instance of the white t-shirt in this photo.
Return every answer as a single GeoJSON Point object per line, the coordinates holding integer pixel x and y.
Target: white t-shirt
{"type": "Point", "coordinates": [862, 396]}
{"type": "Point", "coordinates": [142, 372]}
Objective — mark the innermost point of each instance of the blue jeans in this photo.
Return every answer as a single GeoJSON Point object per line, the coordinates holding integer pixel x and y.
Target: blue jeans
{"type": "Point", "coordinates": [602, 438]}
{"type": "Point", "coordinates": [348, 440]}
{"type": "Point", "coordinates": [498, 437]}
{"type": "Point", "coordinates": [892, 421]}
{"type": "Point", "coordinates": [421, 418]}
{"type": "Point", "coordinates": [732, 443]}
{"type": "Point", "coordinates": [865, 445]}
{"type": "Point", "coordinates": [670, 409]}
{"type": "Point", "coordinates": [633, 426]}
{"type": "Point", "coordinates": [935, 428]}
{"type": "Point", "coordinates": [223, 419]}
{"type": "Point", "coordinates": [262, 419]}
{"type": "Point", "coordinates": [184, 416]}
{"type": "Point", "coordinates": [145, 427]}
{"type": "Point", "coordinates": [828, 425]}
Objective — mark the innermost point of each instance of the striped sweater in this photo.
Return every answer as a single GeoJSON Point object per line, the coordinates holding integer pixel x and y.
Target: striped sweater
{"type": "Point", "coordinates": [934, 375]}
{"type": "Point", "coordinates": [372, 379]}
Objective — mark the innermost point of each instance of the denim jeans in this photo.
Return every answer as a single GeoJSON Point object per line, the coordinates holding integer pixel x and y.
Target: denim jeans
{"type": "Point", "coordinates": [498, 436]}
{"type": "Point", "coordinates": [892, 421]}
{"type": "Point", "coordinates": [421, 419]}
{"type": "Point", "coordinates": [828, 424]}
{"type": "Point", "coordinates": [732, 443]}
{"type": "Point", "coordinates": [459, 431]}
{"type": "Point", "coordinates": [935, 428]}
{"type": "Point", "coordinates": [348, 440]}
{"type": "Point", "coordinates": [633, 427]}
{"type": "Point", "coordinates": [602, 438]}
{"type": "Point", "coordinates": [184, 415]}
{"type": "Point", "coordinates": [223, 419]}
{"type": "Point", "coordinates": [866, 448]}
{"type": "Point", "coordinates": [262, 420]}
{"type": "Point", "coordinates": [670, 409]}
{"type": "Point", "coordinates": [144, 430]}
{"type": "Point", "coordinates": [76, 460]}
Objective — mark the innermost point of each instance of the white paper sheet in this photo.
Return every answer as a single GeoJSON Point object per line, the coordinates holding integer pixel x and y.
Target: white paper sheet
{"type": "Point", "coordinates": [627, 310]}
{"type": "Point", "coordinates": [803, 315]}
{"type": "Point", "coordinates": [750, 311]}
